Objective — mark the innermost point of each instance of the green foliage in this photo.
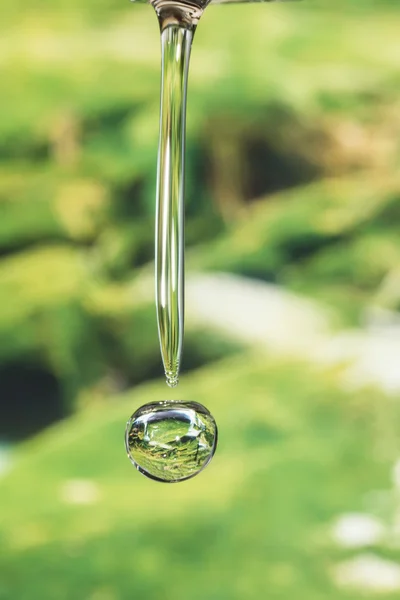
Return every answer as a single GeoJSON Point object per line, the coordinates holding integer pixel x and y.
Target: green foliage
{"type": "Point", "coordinates": [295, 451]}
{"type": "Point", "coordinates": [325, 235]}
{"type": "Point", "coordinates": [293, 129]}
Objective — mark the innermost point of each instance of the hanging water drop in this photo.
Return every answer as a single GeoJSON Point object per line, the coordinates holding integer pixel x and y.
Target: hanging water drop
{"type": "Point", "coordinates": [171, 441]}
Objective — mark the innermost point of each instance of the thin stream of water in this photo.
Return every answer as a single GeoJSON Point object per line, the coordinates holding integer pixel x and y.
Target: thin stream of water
{"type": "Point", "coordinates": [178, 22]}
{"type": "Point", "coordinates": [176, 41]}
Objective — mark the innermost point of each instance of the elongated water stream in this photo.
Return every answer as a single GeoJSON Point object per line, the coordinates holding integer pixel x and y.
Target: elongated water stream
{"type": "Point", "coordinates": [176, 43]}
{"type": "Point", "coordinates": [177, 24]}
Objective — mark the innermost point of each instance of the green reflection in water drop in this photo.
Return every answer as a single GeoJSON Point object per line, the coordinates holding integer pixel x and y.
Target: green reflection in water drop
{"type": "Point", "coordinates": [171, 441]}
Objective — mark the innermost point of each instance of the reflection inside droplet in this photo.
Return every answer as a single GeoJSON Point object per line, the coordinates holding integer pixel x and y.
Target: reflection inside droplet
{"type": "Point", "coordinates": [171, 441]}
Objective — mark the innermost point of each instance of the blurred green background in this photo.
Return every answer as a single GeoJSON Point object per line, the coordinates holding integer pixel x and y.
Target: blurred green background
{"type": "Point", "coordinates": [293, 325]}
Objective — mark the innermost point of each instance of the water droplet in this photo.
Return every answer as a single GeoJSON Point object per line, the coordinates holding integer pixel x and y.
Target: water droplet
{"type": "Point", "coordinates": [171, 441]}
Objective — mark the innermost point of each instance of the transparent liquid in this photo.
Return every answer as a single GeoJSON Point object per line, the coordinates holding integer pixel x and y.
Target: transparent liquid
{"type": "Point", "coordinates": [176, 41]}
{"type": "Point", "coordinates": [171, 441]}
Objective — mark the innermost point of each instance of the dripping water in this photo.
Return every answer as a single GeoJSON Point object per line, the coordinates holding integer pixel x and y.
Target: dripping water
{"type": "Point", "coordinates": [172, 441]}
{"type": "Point", "coordinates": [177, 25]}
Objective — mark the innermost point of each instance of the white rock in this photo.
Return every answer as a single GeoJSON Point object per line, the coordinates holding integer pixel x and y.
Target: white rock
{"type": "Point", "coordinates": [368, 573]}
{"type": "Point", "coordinates": [357, 530]}
{"type": "Point", "coordinates": [270, 317]}
{"type": "Point", "coordinates": [256, 312]}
